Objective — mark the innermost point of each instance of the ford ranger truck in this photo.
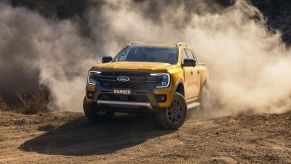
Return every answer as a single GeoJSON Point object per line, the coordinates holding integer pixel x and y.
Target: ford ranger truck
{"type": "Point", "coordinates": [163, 79]}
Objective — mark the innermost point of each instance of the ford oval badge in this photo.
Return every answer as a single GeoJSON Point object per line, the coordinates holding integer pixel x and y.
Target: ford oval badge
{"type": "Point", "coordinates": [123, 78]}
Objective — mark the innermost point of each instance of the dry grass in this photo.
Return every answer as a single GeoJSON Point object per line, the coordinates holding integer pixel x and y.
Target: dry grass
{"type": "Point", "coordinates": [33, 104]}
{"type": "Point", "coordinates": [3, 105]}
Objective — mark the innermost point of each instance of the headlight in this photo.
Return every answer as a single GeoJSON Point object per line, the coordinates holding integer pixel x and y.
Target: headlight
{"type": "Point", "coordinates": [164, 79]}
{"type": "Point", "coordinates": [92, 77]}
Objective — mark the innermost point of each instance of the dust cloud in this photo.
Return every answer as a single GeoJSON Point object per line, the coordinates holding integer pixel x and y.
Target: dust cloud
{"type": "Point", "coordinates": [36, 51]}
{"type": "Point", "coordinates": [250, 67]}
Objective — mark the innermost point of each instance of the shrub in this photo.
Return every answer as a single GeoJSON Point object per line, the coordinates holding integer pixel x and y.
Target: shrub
{"type": "Point", "coordinates": [33, 104]}
{"type": "Point", "coordinates": [3, 105]}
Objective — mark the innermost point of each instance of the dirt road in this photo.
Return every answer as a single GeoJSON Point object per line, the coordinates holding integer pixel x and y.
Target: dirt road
{"type": "Point", "coordinates": [69, 138]}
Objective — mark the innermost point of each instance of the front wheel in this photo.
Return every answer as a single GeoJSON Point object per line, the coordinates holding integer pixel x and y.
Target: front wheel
{"type": "Point", "coordinates": [94, 113]}
{"type": "Point", "coordinates": [175, 115]}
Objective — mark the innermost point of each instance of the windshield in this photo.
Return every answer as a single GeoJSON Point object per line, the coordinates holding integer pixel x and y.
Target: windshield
{"type": "Point", "coordinates": [148, 54]}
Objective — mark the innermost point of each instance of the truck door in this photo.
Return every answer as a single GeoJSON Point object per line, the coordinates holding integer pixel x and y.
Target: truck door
{"type": "Point", "coordinates": [195, 75]}
{"type": "Point", "coordinates": [189, 83]}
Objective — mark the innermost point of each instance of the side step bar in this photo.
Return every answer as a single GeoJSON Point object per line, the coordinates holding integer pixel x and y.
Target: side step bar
{"type": "Point", "coordinates": [193, 105]}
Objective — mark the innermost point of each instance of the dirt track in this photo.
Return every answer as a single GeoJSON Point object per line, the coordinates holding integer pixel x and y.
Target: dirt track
{"type": "Point", "coordinates": [69, 138]}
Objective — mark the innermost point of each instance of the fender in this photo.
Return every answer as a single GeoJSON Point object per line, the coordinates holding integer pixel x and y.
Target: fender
{"type": "Point", "coordinates": [181, 81]}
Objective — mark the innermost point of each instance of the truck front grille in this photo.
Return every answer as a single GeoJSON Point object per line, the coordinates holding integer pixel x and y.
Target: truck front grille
{"type": "Point", "coordinates": [138, 80]}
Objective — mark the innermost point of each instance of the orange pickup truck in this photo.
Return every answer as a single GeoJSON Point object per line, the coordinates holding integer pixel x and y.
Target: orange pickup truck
{"type": "Point", "coordinates": [164, 79]}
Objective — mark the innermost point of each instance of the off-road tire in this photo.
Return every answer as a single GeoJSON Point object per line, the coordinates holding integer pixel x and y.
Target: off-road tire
{"type": "Point", "coordinates": [94, 113]}
{"type": "Point", "coordinates": [175, 115]}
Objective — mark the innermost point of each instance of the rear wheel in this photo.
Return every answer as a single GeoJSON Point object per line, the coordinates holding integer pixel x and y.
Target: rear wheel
{"type": "Point", "coordinates": [175, 115]}
{"type": "Point", "coordinates": [94, 113]}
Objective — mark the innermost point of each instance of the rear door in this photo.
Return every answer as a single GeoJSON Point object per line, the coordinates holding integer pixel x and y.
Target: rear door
{"type": "Point", "coordinates": [189, 83]}
{"type": "Point", "coordinates": [195, 75]}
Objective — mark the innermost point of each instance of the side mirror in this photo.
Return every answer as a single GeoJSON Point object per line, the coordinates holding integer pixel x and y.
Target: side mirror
{"type": "Point", "coordinates": [189, 63]}
{"type": "Point", "coordinates": [106, 59]}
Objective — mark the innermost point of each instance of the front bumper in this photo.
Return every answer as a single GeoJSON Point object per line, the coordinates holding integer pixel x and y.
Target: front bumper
{"type": "Point", "coordinates": [117, 104]}
{"type": "Point", "coordinates": [151, 104]}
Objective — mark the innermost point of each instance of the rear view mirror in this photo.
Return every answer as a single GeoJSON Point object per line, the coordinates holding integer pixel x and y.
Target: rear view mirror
{"type": "Point", "coordinates": [106, 59]}
{"type": "Point", "coordinates": [189, 63]}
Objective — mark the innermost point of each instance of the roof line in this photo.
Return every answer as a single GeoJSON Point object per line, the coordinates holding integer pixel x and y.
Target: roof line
{"type": "Point", "coordinates": [138, 42]}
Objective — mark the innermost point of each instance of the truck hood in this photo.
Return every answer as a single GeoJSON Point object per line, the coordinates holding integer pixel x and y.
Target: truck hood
{"type": "Point", "coordinates": [143, 66]}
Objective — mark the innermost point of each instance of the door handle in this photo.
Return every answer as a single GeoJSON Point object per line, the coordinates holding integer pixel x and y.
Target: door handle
{"type": "Point", "coordinates": [191, 72]}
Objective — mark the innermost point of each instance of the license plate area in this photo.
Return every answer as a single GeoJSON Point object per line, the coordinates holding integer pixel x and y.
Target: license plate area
{"type": "Point", "coordinates": [122, 91]}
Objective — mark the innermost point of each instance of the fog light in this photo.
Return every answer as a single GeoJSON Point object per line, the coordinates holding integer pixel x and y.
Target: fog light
{"type": "Point", "coordinates": [161, 98]}
{"type": "Point", "coordinates": [90, 95]}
